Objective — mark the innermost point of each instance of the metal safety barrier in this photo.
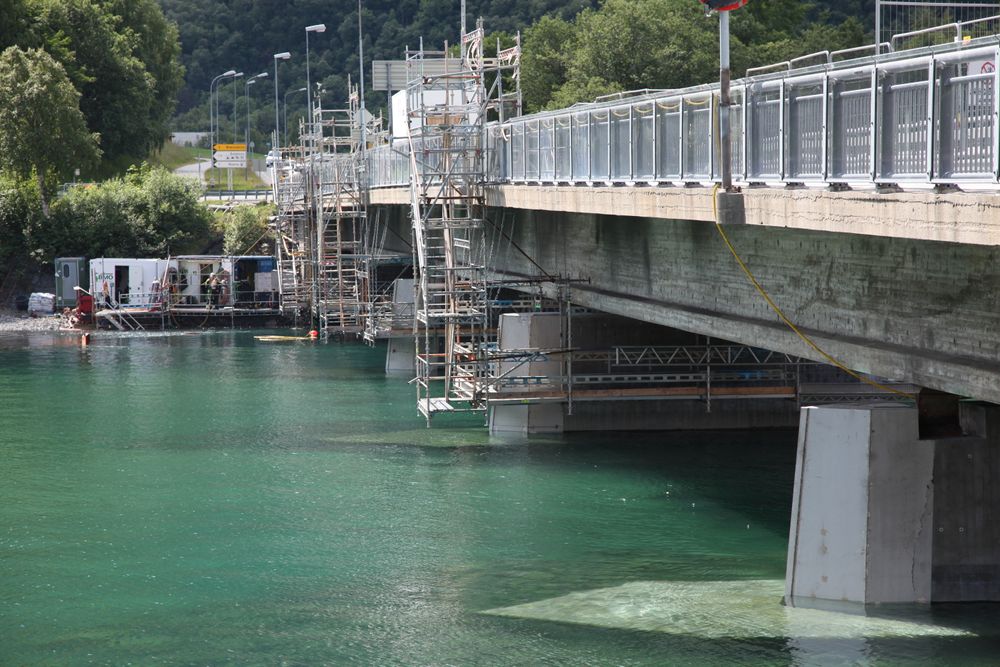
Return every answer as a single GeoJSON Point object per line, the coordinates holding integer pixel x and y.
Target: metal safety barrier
{"type": "Point", "coordinates": [927, 115]}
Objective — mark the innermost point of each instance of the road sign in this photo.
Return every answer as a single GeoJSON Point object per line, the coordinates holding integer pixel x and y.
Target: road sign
{"type": "Point", "coordinates": [230, 159]}
{"type": "Point", "coordinates": [231, 147]}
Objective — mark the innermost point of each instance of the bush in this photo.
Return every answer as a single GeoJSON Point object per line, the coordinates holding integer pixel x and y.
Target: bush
{"type": "Point", "coordinates": [149, 213]}
{"type": "Point", "coordinates": [244, 229]}
{"type": "Point", "coordinates": [20, 214]}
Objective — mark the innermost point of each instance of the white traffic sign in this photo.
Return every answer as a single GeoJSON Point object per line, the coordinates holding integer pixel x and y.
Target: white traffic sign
{"type": "Point", "coordinates": [230, 159]}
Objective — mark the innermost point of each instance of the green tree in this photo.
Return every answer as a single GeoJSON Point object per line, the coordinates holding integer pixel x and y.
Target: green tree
{"type": "Point", "coordinates": [245, 227]}
{"type": "Point", "coordinates": [42, 130]}
{"type": "Point", "coordinates": [664, 44]}
{"type": "Point", "coordinates": [116, 90]}
{"type": "Point", "coordinates": [155, 42]}
{"type": "Point", "coordinates": [166, 215]}
{"type": "Point", "coordinates": [629, 45]}
{"type": "Point", "coordinates": [123, 57]}
{"type": "Point", "coordinates": [548, 46]}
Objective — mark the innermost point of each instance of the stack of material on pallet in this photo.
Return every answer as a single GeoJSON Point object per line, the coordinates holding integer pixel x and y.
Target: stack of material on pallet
{"type": "Point", "coordinates": [41, 303]}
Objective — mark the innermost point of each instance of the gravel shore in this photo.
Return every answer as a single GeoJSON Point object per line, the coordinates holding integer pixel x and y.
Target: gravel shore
{"type": "Point", "coordinates": [19, 320]}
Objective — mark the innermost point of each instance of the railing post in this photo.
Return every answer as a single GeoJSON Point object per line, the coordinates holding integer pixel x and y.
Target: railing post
{"type": "Point", "coordinates": [745, 131]}
{"type": "Point", "coordinates": [590, 147]}
{"type": "Point", "coordinates": [572, 164]}
{"type": "Point", "coordinates": [782, 144]}
{"type": "Point", "coordinates": [824, 169]}
{"type": "Point", "coordinates": [931, 115]}
{"type": "Point", "coordinates": [610, 114]}
{"type": "Point", "coordinates": [715, 111]}
{"type": "Point", "coordinates": [682, 134]}
{"type": "Point", "coordinates": [631, 143]}
{"type": "Point", "coordinates": [874, 134]}
{"type": "Point", "coordinates": [509, 167]}
{"type": "Point", "coordinates": [538, 150]}
{"type": "Point", "coordinates": [995, 138]}
{"type": "Point", "coordinates": [555, 151]}
{"type": "Point", "coordinates": [656, 143]}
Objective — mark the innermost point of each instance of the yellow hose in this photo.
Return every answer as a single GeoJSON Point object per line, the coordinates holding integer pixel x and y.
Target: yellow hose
{"type": "Point", "coordinates": [806, 339]}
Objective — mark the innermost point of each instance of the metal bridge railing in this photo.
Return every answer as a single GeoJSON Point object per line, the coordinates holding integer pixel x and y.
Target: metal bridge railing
{"type": "Point", "coordinates": [927, 115]}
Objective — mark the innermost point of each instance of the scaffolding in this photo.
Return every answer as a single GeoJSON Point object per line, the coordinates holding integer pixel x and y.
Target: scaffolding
{"type": "Point", "coordinates": [340, 205]}
{"type": "Point", "coordinates": [328, 254]}
{"type": "Point", "coordinates": [446, 129]}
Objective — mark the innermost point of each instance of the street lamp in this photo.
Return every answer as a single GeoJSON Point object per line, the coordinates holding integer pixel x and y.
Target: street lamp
{"type": "Point", "coordinates": [285, 109]}
{"type": "Point", "coordinates": [361, 61]}
{"type": "Point", "coordinates": [236, 91]}
{"type": "Point", "coordinates": [319, 27]}
{"type": "Point", "coordinates": [277, 127]}
{"type": "Point", "coordinates": [246, 98]}
{"type": "Point", "coordinates": [211, 105]}
{"type": "Point", "coordinates": [212, 118]}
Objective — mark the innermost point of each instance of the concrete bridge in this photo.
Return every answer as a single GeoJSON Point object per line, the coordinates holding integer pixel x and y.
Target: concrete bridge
{"type": "Point", "coordinates": [869, 211]}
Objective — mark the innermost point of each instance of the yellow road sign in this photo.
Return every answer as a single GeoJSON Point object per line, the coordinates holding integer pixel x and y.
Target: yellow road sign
{"type": "Point", "coordinates": [231, 147]}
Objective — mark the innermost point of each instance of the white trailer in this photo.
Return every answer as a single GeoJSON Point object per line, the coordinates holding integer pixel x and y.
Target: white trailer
{"type": "Point", "coordinates": [128, 282]}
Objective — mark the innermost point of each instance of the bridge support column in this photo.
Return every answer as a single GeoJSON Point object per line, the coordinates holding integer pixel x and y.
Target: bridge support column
{"type": "Point", "coordinates": [879, 515]}
{"type": "Point", "coordinates": [401, 353]}
{"type": "Point", "coordinates": [400, 357]}
{"type": "Point", "coordinates": [966, 561]}
{"type": "Point", "coordinates": [526, 331]}
{"type": "Point", "coordinates": [861, 528]}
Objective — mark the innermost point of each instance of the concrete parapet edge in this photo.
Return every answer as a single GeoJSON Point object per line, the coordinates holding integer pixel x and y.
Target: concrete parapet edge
{"type": "Point", "coordinates": [959, 217]}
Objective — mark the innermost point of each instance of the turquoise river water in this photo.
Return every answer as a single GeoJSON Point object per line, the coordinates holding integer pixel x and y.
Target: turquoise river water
{"type": "Point", "coordinates": [209, 499]}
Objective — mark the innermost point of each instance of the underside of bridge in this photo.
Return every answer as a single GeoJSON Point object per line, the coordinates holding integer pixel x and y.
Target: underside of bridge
{"type": "Point", "coordinates": [920, 312]}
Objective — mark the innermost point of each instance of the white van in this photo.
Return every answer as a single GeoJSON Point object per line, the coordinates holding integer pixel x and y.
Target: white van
{"type": "Point", "coordinates": [272, 157]}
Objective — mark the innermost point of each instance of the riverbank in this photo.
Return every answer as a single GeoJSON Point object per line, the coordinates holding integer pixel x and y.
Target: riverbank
{"type": "Point", "coordinates": [19, 320]}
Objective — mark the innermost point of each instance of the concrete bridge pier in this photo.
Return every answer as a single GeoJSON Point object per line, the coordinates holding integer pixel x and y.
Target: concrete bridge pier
{"type": "Point", "coordinates": [530, 331]}
{"type": "Point", "coordinates": [880, 515]}
{"type": "Point", "coordinates": [401, 353]}
{"type": "Point", "coordinates": [400, 357]}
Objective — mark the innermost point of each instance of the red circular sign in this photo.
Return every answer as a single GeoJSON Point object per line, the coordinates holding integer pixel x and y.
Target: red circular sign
{"type": "Point", "coordinates": [724, 5]}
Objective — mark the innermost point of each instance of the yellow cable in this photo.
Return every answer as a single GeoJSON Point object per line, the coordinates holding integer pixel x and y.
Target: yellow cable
{"type": "Point", "coordinates": [806, 339]}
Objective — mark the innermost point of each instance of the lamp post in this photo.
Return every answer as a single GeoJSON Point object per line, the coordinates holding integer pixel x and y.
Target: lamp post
{"type": "Point", "coordinates": [211, 111]}
{"type": "Point", "coordinates": [361, 87]}
{"type": "Point", "coordinates": [285, 109]}
{"type": "Point", "coordinates": [246, 99]}
{"type": "Point", "coordinates": [285, 55]}
{"type": "Point", "coordinates": [726, 149]}
{"type": "Point", "coordinates": [236, 91]}
{"type": "Point", "coordinates": [319, 27]}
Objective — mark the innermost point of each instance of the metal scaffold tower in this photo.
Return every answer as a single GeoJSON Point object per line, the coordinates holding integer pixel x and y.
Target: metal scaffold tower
{"type": "Point", "coordinates": [289, 225]}
{"type": "Point", "coordinates": [341, 213]}
{"type": "Point", "coordinates": [446, 114]}
{"type": "Point", "coordinates": [328, 253]}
